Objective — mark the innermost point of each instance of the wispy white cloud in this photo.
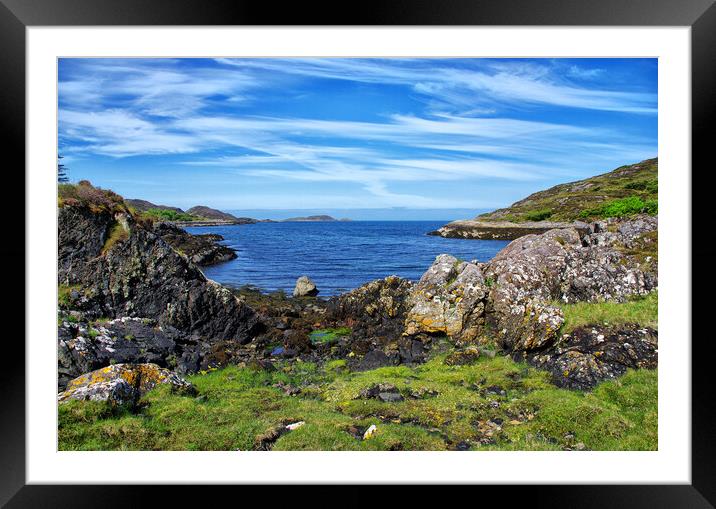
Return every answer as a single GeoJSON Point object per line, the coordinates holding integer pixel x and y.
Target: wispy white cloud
{"type": "Point", "coordinates": [504, 82]}
{"type": "Point", "coordinates": [467, 130]}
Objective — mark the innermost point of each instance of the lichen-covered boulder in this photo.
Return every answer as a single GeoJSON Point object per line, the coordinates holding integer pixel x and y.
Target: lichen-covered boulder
{"type": "Point", "coordinates": [588, 355]}
{"type": "Point", "coordinates": [123, 384]}
{"type": "Point", "coordinates": [449, 299]}
{"type": "Point", "coordinates": [524, 277]}
{"type": "Point", "coordinates": [305, 287]}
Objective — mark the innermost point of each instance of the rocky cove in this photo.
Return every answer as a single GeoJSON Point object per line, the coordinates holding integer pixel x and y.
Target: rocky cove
{"type": "Point", "coordinates": [456, 360]}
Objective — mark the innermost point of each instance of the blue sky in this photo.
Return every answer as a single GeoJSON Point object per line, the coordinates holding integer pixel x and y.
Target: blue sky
{"type": "Point", "coordinates": [423, 135]}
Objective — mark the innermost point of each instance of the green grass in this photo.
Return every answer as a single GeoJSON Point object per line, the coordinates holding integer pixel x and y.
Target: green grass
{"type": "Point", "coordinates": [641, 310]}
{"type": "Point", "coordinates": [453, 404]}
{"type": "Point", "coordinates": [538, 215]}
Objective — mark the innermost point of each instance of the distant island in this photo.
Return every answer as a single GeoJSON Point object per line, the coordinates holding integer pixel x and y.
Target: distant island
{"type": "Point", "coordinates": [318, 218]}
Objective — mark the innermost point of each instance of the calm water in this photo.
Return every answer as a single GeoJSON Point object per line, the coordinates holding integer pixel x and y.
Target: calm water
{"type": "Point", "coordinates": [338, 256]}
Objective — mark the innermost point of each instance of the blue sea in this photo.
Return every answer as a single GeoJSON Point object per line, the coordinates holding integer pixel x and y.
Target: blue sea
{"type": "Point", "coordinates": [337, 256]}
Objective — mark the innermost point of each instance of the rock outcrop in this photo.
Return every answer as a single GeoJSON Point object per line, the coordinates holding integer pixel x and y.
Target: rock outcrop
{"type": "Point", "coordinates": [124, 269]}
{"type": "Point", "coordinates": [587, 355]}
{"type": "Point", "coordinates": [499, 230]}
{"type": "Point", "coordinates": [123, 384]}
{"type": "Point", "coordinates": [376, 313]}
{"type": "Point", "coordinates": [203, 250]}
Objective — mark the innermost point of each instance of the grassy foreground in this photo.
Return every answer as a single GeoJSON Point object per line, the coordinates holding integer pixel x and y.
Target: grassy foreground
{"type": "Point", "coordinates": [493, 404]}
{"type": "Point", "coordinates": [641, 310]}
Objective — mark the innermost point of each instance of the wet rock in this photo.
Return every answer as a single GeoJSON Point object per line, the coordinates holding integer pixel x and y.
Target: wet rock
{"type": "Point", "coordinates": [304, 287]}
{"type": "Point", "coordinates": [462, 357]}
{"type": "Point", "coordinates": [588, 355]}
{"type": "Point", "coordinates": [122, 384]}
{"type": "Point", "coordinates": [448, 299]}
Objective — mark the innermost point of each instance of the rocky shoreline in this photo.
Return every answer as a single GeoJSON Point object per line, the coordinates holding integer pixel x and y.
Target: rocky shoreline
{"type": "Point", "coordinates": [132, 295]}
{"type": "Point", "coordinates": [501, 230]}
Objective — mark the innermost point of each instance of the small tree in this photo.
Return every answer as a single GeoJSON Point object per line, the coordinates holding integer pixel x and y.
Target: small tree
{"type": "Point", "coordinates": [61, 172]}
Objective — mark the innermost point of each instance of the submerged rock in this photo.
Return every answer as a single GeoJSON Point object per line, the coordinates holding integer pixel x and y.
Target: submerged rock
{"type": "Point", "coordinates": [123, 384]}
{"type": "Point", "coordinates": [305, 287]}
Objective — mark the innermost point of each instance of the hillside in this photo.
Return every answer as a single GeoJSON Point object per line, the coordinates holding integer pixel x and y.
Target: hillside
{"type": "Point", "coordinates": [583, 198]}
{"type": "Point", "coordinates": [144, 205]}
{"type": "Point", "coordinates": [624, 192]}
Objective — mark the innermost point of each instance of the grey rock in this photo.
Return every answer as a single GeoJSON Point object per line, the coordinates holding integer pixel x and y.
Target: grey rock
{"type": "Point", "coordinates": [304, 287]}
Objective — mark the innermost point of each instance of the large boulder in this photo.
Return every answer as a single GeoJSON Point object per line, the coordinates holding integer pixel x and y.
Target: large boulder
{"type": "Point", "coordinates": [124, 269]}
{"type": "Point", "coordinates": [523, 278]}
{"type": "Point", "coordinates": [122, 384]}
{"type": "Point", "coordinates": [448, 299]}
{"type": "Point", "coordinates": [305, 287]}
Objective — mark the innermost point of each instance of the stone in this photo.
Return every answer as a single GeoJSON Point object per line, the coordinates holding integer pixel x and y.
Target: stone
{"type": "Point", "coordinates": [304, 287]}
{"type": "Point", "coordinates": [123, 384]}
{"type": "Point", "coordinates": [372, 429]}
{"type": "Point", "coordinates": [384, 392]}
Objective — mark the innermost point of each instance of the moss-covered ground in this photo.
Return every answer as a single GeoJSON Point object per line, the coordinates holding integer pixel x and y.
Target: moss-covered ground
{"type": "Point", "coordinates": [491, 404]}
{"type": "Point", "coordinates": [640, 310]}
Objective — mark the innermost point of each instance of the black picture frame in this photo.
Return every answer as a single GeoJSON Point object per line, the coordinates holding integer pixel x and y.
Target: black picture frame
{"type": "Point", "coordinates": [700, 15]}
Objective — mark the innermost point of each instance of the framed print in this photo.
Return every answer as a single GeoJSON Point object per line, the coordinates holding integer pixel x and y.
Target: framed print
{"type": "Point", "coordinates": [419, 245]}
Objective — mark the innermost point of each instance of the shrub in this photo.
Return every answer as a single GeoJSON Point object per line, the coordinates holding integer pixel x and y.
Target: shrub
{"type": "Point", "coordinates": [169, 215]}
{"type": "Point", "coordinates": [622, 207]}
{"type": "Point", "coordinates": [539, 215]}
{"type": "Point", "coordinates": [85, 194]}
